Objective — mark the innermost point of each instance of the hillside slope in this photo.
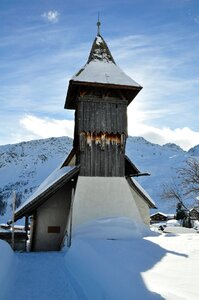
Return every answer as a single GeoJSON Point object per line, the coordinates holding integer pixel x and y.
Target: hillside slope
{"type": "Point", "coordinates": [25, 165]}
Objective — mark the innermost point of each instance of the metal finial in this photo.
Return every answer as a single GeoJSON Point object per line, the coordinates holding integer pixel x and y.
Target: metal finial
{"type": "Point", "coordinates": [98, 25]}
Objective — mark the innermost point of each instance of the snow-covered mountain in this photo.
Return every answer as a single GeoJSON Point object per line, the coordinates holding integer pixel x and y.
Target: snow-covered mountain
{"type": "Point", "coordinates": [25, 165]}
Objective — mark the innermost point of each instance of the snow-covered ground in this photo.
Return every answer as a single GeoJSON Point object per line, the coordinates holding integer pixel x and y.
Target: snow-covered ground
{"type": "Point", "coordinates": [175, 276]}
{"type": "Point", "coordinates": [106, 261]}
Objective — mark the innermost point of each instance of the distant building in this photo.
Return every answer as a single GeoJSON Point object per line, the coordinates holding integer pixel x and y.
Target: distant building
{"type": "Point", "coordinates": [20, 236]}
{"type": "Point", "coordinates": [161, 217]}
{"type": "Point", "coordinates": [158, 217]}
{"type": "Point", "coordinates": [194, 214]}
{"type": "Point", "coordinates": [97, 179]}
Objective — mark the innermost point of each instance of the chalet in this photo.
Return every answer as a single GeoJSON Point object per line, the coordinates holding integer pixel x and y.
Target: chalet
{"type": "Point", "coordinates": [161, 217]}
{"type": "Point", "coordinates": [97, 179]}
{"type": "Point", "coordinates": [20, 239]}
{"type": "Point", "coordinates": [158, 217]}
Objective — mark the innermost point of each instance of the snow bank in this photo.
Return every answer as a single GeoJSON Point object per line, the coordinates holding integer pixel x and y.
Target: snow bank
{"type": "Point", "coordinates": [111, 228]}
{"type": "Point", "coordinates": [7, 263]}
{"type": "Point", "coordinates": [179, 230]}
{"type": "Point", "coordinates": [162, 266]}
{"type": "Point", "coordinates": [196, 225]}
{"type": "Point", "coordinates": [106, 260]}
{"type": "Point", "coordinates": [173, 223]}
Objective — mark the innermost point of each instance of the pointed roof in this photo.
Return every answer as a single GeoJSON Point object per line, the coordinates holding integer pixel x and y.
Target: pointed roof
{"type": "Point", "coordinates": [101, 67]}
{"type": "Point", "coordinates": [101, 70]}
{"type": "Point", "coordinates": [100, 51]}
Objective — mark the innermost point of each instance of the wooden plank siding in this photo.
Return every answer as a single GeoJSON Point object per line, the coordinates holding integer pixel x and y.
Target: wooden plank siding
{"type": "Point", "coordinates": [102, 115]}
{"type": "Point", "coordinates": [101, 161]}
{"type": "Point", "coordinates": [100, 135]}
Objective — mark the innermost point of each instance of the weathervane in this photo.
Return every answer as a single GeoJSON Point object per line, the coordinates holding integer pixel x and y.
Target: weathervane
{"type": "Point", "coordinates": [98, 25]}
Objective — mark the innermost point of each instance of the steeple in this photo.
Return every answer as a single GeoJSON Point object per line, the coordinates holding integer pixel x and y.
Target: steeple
{"type": "Point", "coordinates": [101, 71]}
{"type": "Point", "coordinates": [100, 50]}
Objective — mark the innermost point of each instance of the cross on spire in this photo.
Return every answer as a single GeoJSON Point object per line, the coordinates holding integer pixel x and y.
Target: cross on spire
{"type": "Point", "coordinates": [98, 25]}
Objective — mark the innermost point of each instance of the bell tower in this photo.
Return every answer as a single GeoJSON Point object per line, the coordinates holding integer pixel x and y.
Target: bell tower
{"type": "Point", "coordinates": [100, 93]}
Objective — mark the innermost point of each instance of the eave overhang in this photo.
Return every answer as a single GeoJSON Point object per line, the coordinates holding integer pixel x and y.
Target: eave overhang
{"type": "Point", "coordinates": [131, 170]}
{"type": "Point", "coordinates": [129, 92]}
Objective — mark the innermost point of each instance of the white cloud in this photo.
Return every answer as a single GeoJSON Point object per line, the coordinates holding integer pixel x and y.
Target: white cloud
{"type": "Point", "coordinates": [51, 16]}
{"type": "Point", "coordinates": [44, 128]}
{"type": "Point", "coordinates": [184, 137]}
{"type": "Point", "coordinates": [139, 117]}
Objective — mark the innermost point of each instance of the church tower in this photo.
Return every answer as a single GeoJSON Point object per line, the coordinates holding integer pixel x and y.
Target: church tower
{"type": "Point", "coordinates": [95, 182]}
{"type": "Point", "coordinates": [100, 93]}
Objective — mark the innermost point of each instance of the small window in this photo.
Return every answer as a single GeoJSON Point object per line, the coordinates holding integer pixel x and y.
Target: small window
{"type": "Point", "coordinates": [53, 229]}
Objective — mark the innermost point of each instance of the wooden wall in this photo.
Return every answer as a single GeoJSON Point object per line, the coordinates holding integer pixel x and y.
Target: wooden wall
{"type": "Point", "coordinates": [102, 115]}
{"type": "Point", "coordinates": [102, 155]}
{"type": "Point", "coordinates": [100, 135]}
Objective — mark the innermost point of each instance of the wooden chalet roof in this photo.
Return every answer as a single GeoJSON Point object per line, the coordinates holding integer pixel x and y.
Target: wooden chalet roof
{"type": "Point", "coordinates": [159, 213]}
{"type": "Point", "coordinates": [53, 183]}
{"type": "Point", "coordinates": [101, 71]}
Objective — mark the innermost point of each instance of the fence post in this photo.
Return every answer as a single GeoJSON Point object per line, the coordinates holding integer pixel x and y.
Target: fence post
{"type": "Point", "coordinates": [71, 219]}
{"type": "Point", "coordinates": [13, 219]}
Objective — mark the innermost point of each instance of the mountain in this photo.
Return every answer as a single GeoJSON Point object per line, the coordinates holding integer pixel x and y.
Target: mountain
{"type": "Point", "coordinates": [25, 165]}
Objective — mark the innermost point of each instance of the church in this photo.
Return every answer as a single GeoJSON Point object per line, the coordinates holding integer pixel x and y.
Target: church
{"type": "Point", "coordinates": [97, 179]}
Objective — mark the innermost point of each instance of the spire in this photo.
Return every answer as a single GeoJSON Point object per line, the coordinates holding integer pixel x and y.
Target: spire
{"type": "Point", "coordinates": [98, 26]}
{"type": "Point", "coordinates": [100, 50]}
{"type": "Point", "coordinates": [100, 70]}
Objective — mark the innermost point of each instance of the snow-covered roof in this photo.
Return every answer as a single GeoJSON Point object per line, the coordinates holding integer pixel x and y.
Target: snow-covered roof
{"type": "Point", "coordinates": [98, 71]}
{"type": "Point", "coordinates": [57, 176]}
{"type": "Point", "coordinates": [140, 188]}
{"type": "Point", "coordinates": [160, 213]}
{"type": "Point", "coordinates": [101, 69]}
{"type": "Point", "coordinates": [135, 185]}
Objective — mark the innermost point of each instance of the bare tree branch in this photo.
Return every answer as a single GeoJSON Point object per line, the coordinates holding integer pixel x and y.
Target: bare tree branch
{"type": "Point", "coordinates": [173, 192]}
{"type": "Point", "coordinates": [185, 185]}
{"type": "Point", "coordinates": [189, 176]}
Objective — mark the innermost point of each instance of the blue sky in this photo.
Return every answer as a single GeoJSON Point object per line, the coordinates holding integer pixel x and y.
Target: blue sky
{"type": "Point", "coordinates": [44, 42]}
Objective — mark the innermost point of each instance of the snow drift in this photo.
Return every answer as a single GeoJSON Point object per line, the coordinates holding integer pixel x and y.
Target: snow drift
{"type": "Point", "coordinates": [7, 266]}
